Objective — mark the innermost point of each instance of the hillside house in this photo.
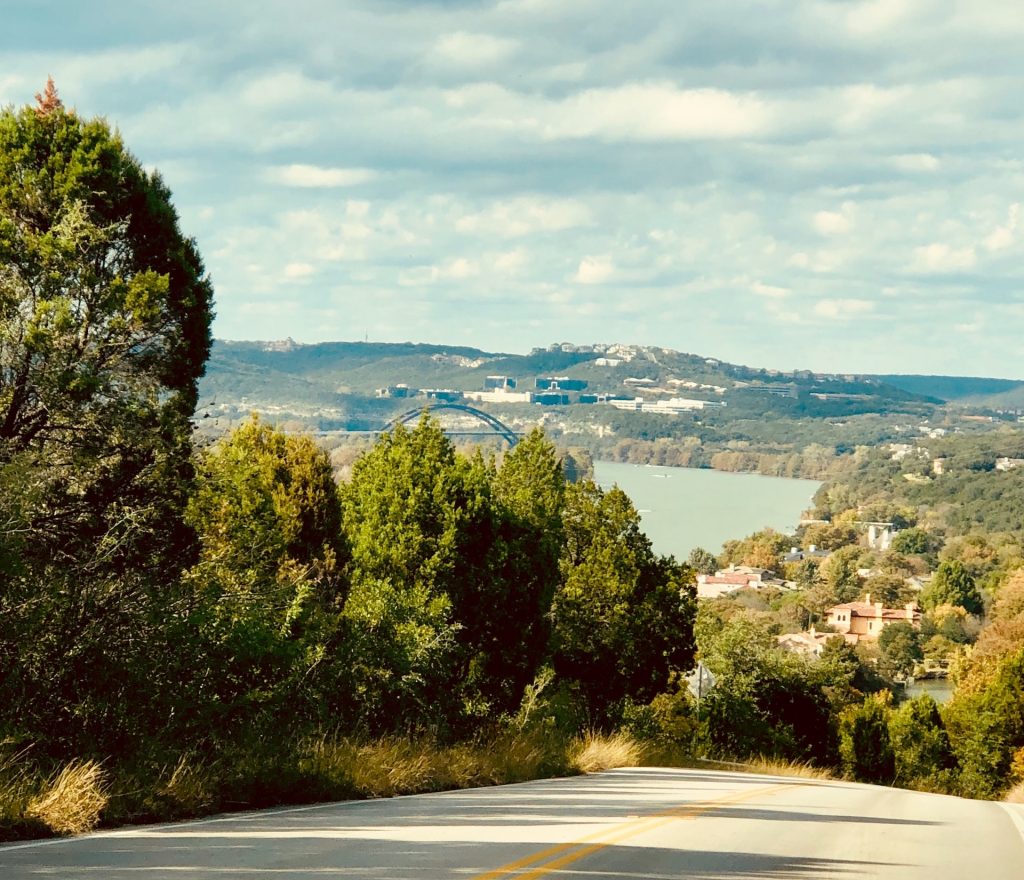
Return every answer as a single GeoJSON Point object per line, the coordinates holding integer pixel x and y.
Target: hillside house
{"type": "Point", "coordinates": [797, 555]}
{"type": "Point", "coordinates": [1008, 464]}
{"type": "Point", "coordinates": [735, 577]}
{"type": "Point", "coordinates": [867, 619]}
{"type": "Point", "coordinates": [810, 644]}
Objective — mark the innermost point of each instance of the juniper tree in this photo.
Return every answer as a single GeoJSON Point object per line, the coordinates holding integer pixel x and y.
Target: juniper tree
{"type": "Point", "coordinates": [105, 313]}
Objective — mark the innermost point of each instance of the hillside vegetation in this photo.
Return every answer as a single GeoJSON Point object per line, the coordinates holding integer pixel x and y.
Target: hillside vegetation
{"type": "Point", "coordinates": [362, 367]}
{"type": "Point", "coordinates": [958, 553]}
{"type": "Point", "coordinates": [184, 630]}
{"type": "Point", "coordinates": [953, 388]}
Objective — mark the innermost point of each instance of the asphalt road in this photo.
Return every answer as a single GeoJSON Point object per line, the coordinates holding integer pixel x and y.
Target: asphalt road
{"type": "Point", "coordinates": [644, 823]}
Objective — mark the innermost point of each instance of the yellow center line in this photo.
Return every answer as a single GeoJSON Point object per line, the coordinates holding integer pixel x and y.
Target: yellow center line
{"type": "Point", "coordinates": [606, 837]}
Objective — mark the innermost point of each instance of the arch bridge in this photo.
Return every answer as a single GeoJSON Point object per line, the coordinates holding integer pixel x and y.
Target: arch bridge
{"type": "Point", "coordinates": [495, 425]}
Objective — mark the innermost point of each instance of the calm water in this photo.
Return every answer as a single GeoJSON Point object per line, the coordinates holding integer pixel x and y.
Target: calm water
{"type": "Point", "coordinates": [683, 508]}
{"type": "Point", "coordinates": [940, 689]}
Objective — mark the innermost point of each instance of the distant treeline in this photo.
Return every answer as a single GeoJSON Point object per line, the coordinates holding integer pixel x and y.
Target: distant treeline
{"type": "Point", "coordinates": [813, 462]}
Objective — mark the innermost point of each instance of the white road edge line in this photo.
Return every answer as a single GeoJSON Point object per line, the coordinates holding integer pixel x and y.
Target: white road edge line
{"type": "Point", "coordinates": [1017, 815]}
{"type": "Point", "coordinates": [135, 830]}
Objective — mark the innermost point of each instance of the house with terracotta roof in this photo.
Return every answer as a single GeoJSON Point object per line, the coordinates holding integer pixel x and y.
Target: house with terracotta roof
{"type": "Point", "coordinates": [735, 577]}
{"type": "Point", "coordinates": [810, 643]}
{"type": "Point", "coordinates": [867, 619]}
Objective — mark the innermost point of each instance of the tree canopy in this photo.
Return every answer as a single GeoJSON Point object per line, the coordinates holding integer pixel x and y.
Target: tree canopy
{"type": "Point", "coordinates": [105, 313]}
{"type": "Point", "coordinates": [952, 584]}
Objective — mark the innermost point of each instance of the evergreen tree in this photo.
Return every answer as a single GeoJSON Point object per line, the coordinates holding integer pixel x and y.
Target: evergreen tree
{"type": "Point", "coordinates": [104, 330]}
{"type": "Point", "coordinates": [924, 758]}
{"type": "Point", "coordinates": [454, 565]}
{"type": "Point", "coordinates": [623, 616]}
{"type": "Point", "coordinates": [702, 561]}
{"type": "Point", "coordinates": [900, 647]}
{"type": "Point", "coordinates": [864, 742]}
{"type": "Point", "coordinates": [952, 584]}
{"type": "Point", "coordinates": [268, 585]}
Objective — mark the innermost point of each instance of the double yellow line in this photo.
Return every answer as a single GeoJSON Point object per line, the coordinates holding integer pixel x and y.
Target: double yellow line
{"type": "Point", "coordinates": [563, 854]}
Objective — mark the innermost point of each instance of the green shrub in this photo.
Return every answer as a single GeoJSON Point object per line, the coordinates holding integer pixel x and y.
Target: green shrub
{"type": "Point", "coordinates": [865, 746]}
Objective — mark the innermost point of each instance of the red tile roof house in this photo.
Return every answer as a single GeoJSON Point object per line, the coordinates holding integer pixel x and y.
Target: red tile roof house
{"type": "Point", "coordinates": [808, 643]}
{"type": "Point", "coordinates": [711, 586]}
{"type": "Point", "coordinates": [865, 620]}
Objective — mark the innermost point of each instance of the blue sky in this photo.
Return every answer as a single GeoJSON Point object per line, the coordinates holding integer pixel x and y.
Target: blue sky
{"type": "Point", "coordinates": [831, 185]}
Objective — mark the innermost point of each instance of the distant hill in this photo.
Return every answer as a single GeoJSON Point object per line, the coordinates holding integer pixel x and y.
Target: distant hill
{"type": "Point", "coordinates": [1011, 399]}
{"type": "Point", "coordinates": [335, 383]}
{"type": "Point", "coordinates": [954, 388]}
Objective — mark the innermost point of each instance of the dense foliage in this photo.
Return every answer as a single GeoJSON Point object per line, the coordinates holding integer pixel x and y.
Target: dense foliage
{"type": "Point", "coordinates": [161, 605]}
{"type": "Point", "coordinates": [157, 603]}
{"type": "Point", "coordinates": [104, 330]}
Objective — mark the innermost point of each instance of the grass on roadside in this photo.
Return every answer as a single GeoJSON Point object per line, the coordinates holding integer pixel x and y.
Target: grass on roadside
{"type": "Point", "coordinates": [18, 785]}
{"type": "Point", "coordinates": [775, 767]}
{"type": "Point", "coordinates": [324, 767]}
{"type": "Point", "coordinates": [72, 799]}
{"type": "Point", "coordinates": [394, 765]}
{"type": "Point", "coordinates": [597, 751]}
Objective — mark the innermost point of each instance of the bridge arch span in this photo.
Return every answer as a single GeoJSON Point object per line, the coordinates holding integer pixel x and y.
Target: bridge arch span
{"type": "Point", "coordinates": [495, 424]}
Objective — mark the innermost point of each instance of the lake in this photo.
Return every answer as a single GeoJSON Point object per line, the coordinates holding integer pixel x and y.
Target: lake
{"type": "Point", "coordinates": [940, 689]}
{"type": "Point", "coordinates": [683, 508]}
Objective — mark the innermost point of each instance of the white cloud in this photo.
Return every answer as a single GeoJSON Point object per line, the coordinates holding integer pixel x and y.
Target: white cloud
{"type": "Point", "coordinates": [843, 308]}
{"type": "Point", "coordinates": [865, 106]}
{"type": "Point", "coordinates": [1003, 237]}
{"type": "Point", "coordinates": [464, 49]}
{"type": "Point", "coordinates": [572, 72]}
{"type": "Point", "coordinates": [1000, 239]}
{"type": "Point", "coordinates": [821, 262]}
{"type": "Point", "coordinates": [940, 257]}
{"type": "Point", "coordinates": [769, 291]}
{"type": "Point", "coordinates": [458, 269]}
{"type": "Point", "coordinates": [92, 69]}
{"type": "Point", "coordinates": [657, 112]}
{"type": "Point", "coordinates": [974, 326]}
{"type": "Point", "coordinates": [510, 262]}
{"type": "Point", "coordinates": [832, 222]}
{"type": "Point", "coordinates": [594, 270]}
{"type": "Point", "coordinates": [912, 162]}
{"type": "Point", "coordinates": [525, 215]}
{"type": "Point", "coordinates": [8, 86]}
{"type": "Point", "coordinates": [883, 16]}
{"type": "Point", "coordinates": [295, 271]}
{"type": "Point", "coordinates": [283, 88]}
{"type": "Point", "coordinates": [315, 176]}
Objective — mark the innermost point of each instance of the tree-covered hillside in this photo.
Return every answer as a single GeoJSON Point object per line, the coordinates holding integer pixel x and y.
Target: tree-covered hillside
{"type": "Point", "coordinates": [952, 388]}
{"type": "Point", "coordinates": [305, 380]}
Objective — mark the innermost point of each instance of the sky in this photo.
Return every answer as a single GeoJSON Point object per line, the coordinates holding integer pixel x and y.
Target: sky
{"type": "Point", "coordinates": [796, 184]}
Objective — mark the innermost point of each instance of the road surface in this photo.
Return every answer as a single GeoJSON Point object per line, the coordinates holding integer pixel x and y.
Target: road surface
{"type": "Point", "coordinates": [642, 823]}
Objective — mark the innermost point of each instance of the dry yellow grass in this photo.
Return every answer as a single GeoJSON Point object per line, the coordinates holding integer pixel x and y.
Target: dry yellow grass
{"type": "Point", "coordinates": [775, 767]}
{"type": "Point", "coordinates": [392, 766]}
{"type": "Point", "coordinates": [16, 789]}
{"type": "Point", "coordinates": [189, 788]}
{"type": "Point", "coordinates": [597, 751]}
{"type": "Point", "coordinates": [518, 756]}
{"type": "Point", "coordinates": [384, 767]}
{"type": "Point", "coordinates": [71, 801]}
{"type": "Point", "coordinates": [325, 767]}
{"type": "Point", "coordinates": [1016, 794]}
